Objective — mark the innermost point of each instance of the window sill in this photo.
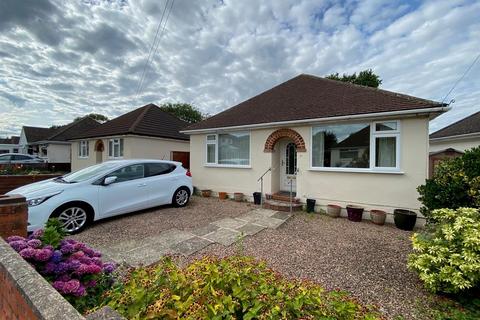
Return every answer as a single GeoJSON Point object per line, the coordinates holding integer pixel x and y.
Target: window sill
{"type": "Point", "coordinates": [82, 157]}
{"type": "Point", "coordinates": [226, 166]}
{"type": "Point", "coordinates": [352, 170]}
{"type": "Point", "coordinates": [115, 158]}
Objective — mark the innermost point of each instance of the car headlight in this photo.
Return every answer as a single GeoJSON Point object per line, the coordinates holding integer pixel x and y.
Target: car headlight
{"type": "Point", "coordinates": [36, 201]}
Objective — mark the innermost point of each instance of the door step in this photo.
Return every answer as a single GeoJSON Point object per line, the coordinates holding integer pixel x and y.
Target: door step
{"type": "Point", "coordinates": [284, 197]}
{"type": "Point", "coordinates": [282, 205]}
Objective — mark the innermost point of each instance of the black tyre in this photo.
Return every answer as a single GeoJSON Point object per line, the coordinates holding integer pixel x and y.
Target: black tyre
{"type": "Point", "coordinates": [181, 197]}
{"type": "Point", "coordinates": [74, 216]}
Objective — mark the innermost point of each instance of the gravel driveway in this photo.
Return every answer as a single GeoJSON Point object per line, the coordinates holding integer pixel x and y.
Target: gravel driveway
{"type": "Point", "coordinates": [199, 212]}
{"type": "Point", "coordinates": [363, 258]}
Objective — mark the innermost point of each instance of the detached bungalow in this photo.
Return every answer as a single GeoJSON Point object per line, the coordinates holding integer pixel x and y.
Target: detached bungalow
{"type": "Point", "coordinates": [327, 140]}
{"type": "Point", "coordinates": [461, 135]}
{"type": "Point", "coordinates": [10, 145]}
{"type": "Point", "coordinates": [144, 133]}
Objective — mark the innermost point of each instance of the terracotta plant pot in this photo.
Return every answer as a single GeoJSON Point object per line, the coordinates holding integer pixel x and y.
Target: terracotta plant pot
{"type": "Point", "coordinates": [333, 210]}
{"type": "Point", "coordinates": [355, 213]}
{"type": "Point", "coordinates": [378, 216]}
{"type": "Point", "coordinates": [268, 196]}
{"type": "Point", "coordinates": [404, 219]}
{"type": "Point", "coordinates": [206, 193]}
{"type": "Point", "coordinates": [238, 196]}
{"type": "Point", "coordinates": [223, 195]}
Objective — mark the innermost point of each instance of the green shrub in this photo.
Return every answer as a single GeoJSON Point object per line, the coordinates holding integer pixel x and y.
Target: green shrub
{"type": "Point", "coordinates": [447, 255]}
{"type": "Point", "coordinates": [229, 288]}
{"type": "Point", "coordinates": [455, 184]}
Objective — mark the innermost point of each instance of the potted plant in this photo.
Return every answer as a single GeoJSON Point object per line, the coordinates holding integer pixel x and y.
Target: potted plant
{"type": "Point", "coordinates": [268, 196]}
{"type": "Point", "coordinates": [404, 219]}
{"type": "Point", "coordinates": [333, 210]}
{"type": "Point", "coordinates": [311, 205]}
{"type": "Point", "coordinates": [206, 193]}
{"type": "Point", "coordinates": [222, 195]}
{"type": "Point", "coordinates": [378, 216]}
{"type": "Point", "coordinates": [354, 213]}
{"type": "Point", "coordinates": [238, 196]}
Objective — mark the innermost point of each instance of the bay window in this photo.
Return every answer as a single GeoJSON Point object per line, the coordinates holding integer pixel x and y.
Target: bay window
{"type": "Point", "coordinates": [228, 149]}
{"type": "Point", "coordinates": [359, 146]}
{"type": "Point", "coordinates": [115, 148]}
{"type": "Point", "coordinates": [83, 149]}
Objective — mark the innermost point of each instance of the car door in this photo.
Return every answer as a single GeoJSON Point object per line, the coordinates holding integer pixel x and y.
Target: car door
{"type": "Point", "coordinates": [21, 159]}
{"type": "Point", "coordinates": [5, 158]}
{"type": "Point", "coordinates": [128, 193]}
{"type": "Point", "coordinates": [161, 182]}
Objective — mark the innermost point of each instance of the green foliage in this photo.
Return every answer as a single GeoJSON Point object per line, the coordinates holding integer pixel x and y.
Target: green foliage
{"type": "Point", "coordinates": [95, 116]}
{"type": "Point", "coordinates": [455, 184]}
{"type": "Point", "coordinates": [460, 308]}
{"type": "Point", "coordinates": [53, 233]}
{"type": "Point", "coordinates": [230, 288]}
{"type": "Point", "coordinates": [183, 111]}
{"type": "Point", "coordinates": [365, 78]}
{"type": "Point", "coordinates": [447, 255]}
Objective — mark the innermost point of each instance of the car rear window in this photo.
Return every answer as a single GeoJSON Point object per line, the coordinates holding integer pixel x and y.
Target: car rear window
{"type": "Point", "coordinates": [156, 168]}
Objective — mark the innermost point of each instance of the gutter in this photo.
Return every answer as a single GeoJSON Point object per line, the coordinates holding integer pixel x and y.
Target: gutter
{"type": "Point", "coordinates": [327, 119]}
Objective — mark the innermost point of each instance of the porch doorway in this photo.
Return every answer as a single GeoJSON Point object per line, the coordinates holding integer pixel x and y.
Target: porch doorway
{"type": "Point", "coordinates": [99, 151]}
{"type": "Point", "coordinates": [288, 165]}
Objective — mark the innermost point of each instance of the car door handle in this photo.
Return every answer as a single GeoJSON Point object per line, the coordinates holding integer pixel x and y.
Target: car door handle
{"type": "Point", "coordinates": [141, 185]}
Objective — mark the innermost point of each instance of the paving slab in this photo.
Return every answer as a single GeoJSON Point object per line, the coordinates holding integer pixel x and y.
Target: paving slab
{"type": "Point", "coordinates": [209, 228]}
{"type": "Point", "coordinates": [265, 212]}
{"type": "Point", "coordinates": [224, 236]}
{"type": "Point", "coordinates": [228, 223]}
{"type": "Point", "coordinates": [251, 216]}
{"type": "Point", "coordinates": [190, 246]}
{"type": "Point", "coordinates": [272, 223]}
{"type": "Point", "coordinates": [250, 229]}
{"type": "Point", "coordinates": [282, 215]}
{"type": "Point", "coordinates": [145, 255]}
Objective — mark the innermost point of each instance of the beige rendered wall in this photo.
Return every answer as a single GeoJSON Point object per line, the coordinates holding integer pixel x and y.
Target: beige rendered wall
{"type": "Point", "coordinates": [58, 153]}
{"type": "Point", "coordinates": [457, 144]}
{"type": "Point", "coordinates": [371, 190]}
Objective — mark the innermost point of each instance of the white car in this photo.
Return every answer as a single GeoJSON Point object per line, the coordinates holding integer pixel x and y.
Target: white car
{"type": "Point", "coordinates": [104, 190]}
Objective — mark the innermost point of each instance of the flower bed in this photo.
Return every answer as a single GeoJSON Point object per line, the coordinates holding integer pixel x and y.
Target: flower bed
{"type": "Point", "coordinates": [234, 287]}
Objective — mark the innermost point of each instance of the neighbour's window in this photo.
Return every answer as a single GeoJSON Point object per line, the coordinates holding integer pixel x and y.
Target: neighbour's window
{"type": "Point", "coordinates": [230, 149]}
{"type": "Point", "coordinates": [115, 148]}
{"type": "Point", "coordinates": [358, 146]}
{"type": "Point", "coordinates": [83, 149]}
{"type": "Point", "coordinates": [128, 173]}
{"type": "Point", "coordinates": [156, 169]}
{"type": "Point", "coordinates": [14, 150]}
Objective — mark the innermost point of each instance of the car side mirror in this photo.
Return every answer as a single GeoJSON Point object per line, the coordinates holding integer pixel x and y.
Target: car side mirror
{"type": "Point", "coordinates": [109, 180]}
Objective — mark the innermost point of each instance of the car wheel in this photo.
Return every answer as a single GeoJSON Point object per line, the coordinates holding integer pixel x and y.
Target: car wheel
{"type": "Point", "coordinates": [73, 217]}
{"type": "Point", "coordinates": [181, 197]}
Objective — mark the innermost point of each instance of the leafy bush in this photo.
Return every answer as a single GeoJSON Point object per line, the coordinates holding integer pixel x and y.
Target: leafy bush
{"type": "Point", "coordinates": [229, 288]}
{"type": "Point", "coordinates": [73, 269]}
{"type": "Point", "coordinates": [455, 184]}
{"type": "Point", "coordinates": [447, 255]}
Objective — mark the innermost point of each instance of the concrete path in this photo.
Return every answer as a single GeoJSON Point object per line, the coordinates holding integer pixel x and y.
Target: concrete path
{"type": "Point", "coordinates": [225, 231]}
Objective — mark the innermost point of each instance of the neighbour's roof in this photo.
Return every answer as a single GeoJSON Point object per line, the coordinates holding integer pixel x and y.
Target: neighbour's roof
{"type": "Point", "coordinates": [470, 124]}
{"type": "Point", "coordinates": [11, 140]}
{"type": "Point", "coordinates": [62, 133]}
{"type": "Point", "coordinates": [148, 120]}
{"type": "Point", "coordinates": [311, 97]}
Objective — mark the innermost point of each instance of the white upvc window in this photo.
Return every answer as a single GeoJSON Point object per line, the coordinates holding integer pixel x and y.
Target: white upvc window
{"type": "Point", "coordinates": [83, 149]}
{"type": "Point", "coordinates": [231, 149]}
{"type": "Point", "coordinates": [115, 148]}
{"type": "Point", "coordinates": [360, 147]}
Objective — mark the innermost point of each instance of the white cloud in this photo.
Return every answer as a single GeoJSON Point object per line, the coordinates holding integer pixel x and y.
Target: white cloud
{"type": "Point", "coordinates": [59, 59]}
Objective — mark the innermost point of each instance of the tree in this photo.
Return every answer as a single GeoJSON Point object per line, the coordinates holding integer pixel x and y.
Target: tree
{"type": "Point", "coordinates": [364, 78]}
{"type": "Point", "coordinates": [183, 111]}
{"type": "Point", "coordinates": [94, 116]}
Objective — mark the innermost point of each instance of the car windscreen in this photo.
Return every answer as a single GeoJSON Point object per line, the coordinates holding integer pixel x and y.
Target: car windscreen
{"type": "Point", "coordinates": [89, 172]}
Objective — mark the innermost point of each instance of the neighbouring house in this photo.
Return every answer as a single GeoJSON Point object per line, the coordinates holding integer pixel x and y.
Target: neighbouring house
{"type": "Point", "coordinates": [10, 145]}
{"type": "Point", "coordinates": [144, 133]}
{"type": "Point", "coordinates": [331, 141]}
{"type": "Point", "coordinates": [451, 141]}
{"type": "Point", "coordinates": [52, 144]}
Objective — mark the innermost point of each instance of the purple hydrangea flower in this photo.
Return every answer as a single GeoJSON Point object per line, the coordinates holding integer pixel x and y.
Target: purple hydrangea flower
{"type": "Point", "coordinates": [50, 268]}
{"type": "Point", "coordinates": [43, 254]}
{"type": "Point", "coordinates": [73, 264]}
{"type": "Point", "coordinates": [57, 256]}
{"type": "Point", "coordinates": [28, 253]}
{"type": "Point", "coordinates": [88, 269]}
{"type": "Point", "coordinates": [18, 245]}
{"type": "Point", "coordinates": [109, 267]}
{"type": "Point", "coordinates": [66, 248]}
{"type": "Point", "coordinates": [81, 291]}
{"type": "Point", "coordinates": [15, 238]}
{"type": "Point", "coordinates": [67, 287]}
{"type": "Point", "coordinates": [37, 234]}
{"type": "Point", "coordinates": [34, 243]}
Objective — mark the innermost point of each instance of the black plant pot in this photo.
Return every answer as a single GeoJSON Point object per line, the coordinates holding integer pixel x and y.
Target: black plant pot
{"type": "Point", "coordinates": [354, 213]}
{"type": "Point", "coordinates": [311, 205]}
{"type": "Point", "coordinates": [257, 197]}
{"type": "Point", "coordinates": [404, 219]}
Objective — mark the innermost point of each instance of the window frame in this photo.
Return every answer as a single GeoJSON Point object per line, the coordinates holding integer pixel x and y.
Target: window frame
{"type": "Point", "coordinates": [81, 144]}
{"type": "Point", "coordinates": [216, 164]}
{"type": "Point", "coordinates": [372, 155]}
{"type": "Point", "coordinates": [111, 148]}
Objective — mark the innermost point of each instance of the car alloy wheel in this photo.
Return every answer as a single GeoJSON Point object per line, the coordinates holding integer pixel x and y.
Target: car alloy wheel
{"type": "Point", "coordinates": [181, 198]}
{"type": "Point", "coordinates": [73, 218]}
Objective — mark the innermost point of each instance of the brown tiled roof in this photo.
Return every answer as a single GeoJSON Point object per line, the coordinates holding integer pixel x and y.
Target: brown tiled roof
{"type": "Point", "coordinates": [311, 97]}
{"type": "Point", "coordinates": [11, 140]}
{"type": "Point", "coordinates": [148, 120]}
{"type": "Point", "coordinates": [62, 133]}
{"type": "Point", "coordinates": [470, 124]}
{"type": "Point", "coordinates": [34, 134]}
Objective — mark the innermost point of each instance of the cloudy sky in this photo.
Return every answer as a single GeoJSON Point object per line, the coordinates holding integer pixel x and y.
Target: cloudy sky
{"type": "Point", "coordinates": [62, 59]}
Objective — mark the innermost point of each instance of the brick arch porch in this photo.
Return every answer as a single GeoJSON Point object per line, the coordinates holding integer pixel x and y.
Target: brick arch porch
{"type": "Point", "coordinates": [284, 133]}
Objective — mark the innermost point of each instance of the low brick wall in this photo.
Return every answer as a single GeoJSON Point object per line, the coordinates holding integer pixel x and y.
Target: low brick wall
{"type": "Point", "coordinates": [10, 182]}
{"type": "Point", "coordinates": [13, 216]}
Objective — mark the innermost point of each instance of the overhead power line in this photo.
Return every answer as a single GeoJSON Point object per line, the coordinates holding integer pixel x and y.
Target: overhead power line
{"type": "Point", "coordinates": [461, 78]}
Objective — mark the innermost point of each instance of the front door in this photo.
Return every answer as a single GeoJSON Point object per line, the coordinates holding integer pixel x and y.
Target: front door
{"type": "Point", "coordinates": [288, 166]}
